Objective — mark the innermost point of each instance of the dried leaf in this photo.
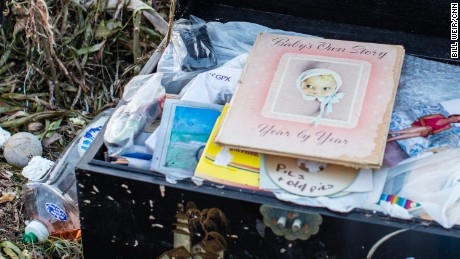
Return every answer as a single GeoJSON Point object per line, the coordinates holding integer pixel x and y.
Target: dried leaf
{"type": "Point", "coordinates": [10, 253]}
{"type": "Point", "coordinates": [9, 196]}
{"type": "Point", "coordinates": [18, 114]}
{"type": "Point", "coordinates": [9, 109]}
{"type": "Point", "coordinates": [6, 183]}
{"type": "Point", "coordinates": [7, 174]}
{"type": "Point", "coordinates": [10, 249]}
{"type": "Point", "coordinates": [104, 32]}
{"type": "Point", "coordinates": [47, 141]}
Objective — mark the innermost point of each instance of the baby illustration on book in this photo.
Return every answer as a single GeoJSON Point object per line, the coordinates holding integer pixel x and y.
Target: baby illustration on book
{"type": "Point", "coordinates": [320, 85]}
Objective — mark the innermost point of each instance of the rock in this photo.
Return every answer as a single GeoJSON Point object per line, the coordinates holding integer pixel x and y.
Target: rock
{"type": "Point", "coordinates": [35, 126]}
{"type": "Point", "coordinates": [21, 147]}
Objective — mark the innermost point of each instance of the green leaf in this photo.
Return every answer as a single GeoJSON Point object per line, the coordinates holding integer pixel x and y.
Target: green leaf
{"type": "Point", "coordinates": [10, 249]}
{"type": "Point", "coordinates": [9, 109]}
{"type": "Point", "coordinates": [90, 49]}
{"type": "Point", "coordinates": [104, 32]}
{"type": "Point", "coordinates": [54, 125]}
{"type": "Point", "coordinates": [5, 57]}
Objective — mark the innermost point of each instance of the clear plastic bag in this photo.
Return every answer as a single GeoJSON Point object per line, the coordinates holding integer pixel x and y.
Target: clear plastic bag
{"type": "Point", "coordinates": [431, 180]}
{"type": "Point", "coordinates": [193, 49]}
{"type": "Point", "coordinates": [229, 40]}
{"type": "Point", "coordinates": [128, 121]}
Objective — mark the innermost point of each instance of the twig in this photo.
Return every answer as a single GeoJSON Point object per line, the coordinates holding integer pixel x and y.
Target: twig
{"type": "Point", "coordinates": [75, 100]}
{"type": "Point", "coordinates": [14, 81]}
{"type": "Point", "coordinates": [172, 9]}
{"type": "Point", "coordinates": [137, 30]}
{"type": "Point", "coordinates": [46, 42]}
{"type": "Point", "coordinates": [5, 68]}
{"type": "Point", "coordinates": [51, 90]}
{"type": "Point", "coordinates": [34, 117]}
{"type": "Point", "coordinates": [25, 84]}
{"type": "Point", "coordinates": [153, 60]}
{"type": "Point", "coordinates": [32, 97]}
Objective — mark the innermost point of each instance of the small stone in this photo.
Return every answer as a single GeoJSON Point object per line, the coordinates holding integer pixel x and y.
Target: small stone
{"type": "Point", "coordinates": [35, 126]}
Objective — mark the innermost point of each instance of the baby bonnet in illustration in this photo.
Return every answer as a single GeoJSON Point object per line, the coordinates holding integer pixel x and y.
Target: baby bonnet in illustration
{"type": "Point", "coordinates": [322, 85]}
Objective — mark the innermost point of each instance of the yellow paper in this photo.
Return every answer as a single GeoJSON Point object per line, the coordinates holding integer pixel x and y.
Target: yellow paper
{"type": "Point", "coordinates": [241, 170]}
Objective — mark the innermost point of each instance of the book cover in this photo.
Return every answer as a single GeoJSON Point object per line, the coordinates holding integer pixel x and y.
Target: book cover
{"type": "Point", "coordinates": [228, 166]}
{"type": "Point", "coordinates": [318, 99]}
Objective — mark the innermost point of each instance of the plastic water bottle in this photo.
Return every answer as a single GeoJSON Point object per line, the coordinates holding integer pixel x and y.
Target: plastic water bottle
{"type": "Point", "coordinates": [50, 203]}
{"type": "Point", "coordinates": [51, 206]}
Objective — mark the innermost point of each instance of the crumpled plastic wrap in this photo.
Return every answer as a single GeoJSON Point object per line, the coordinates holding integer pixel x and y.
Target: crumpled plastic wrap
{"type": "Point", "coordinates": [193, 50]}
{"type": "Point", "coordinates": [431, 180]}
{"type": "Point", "coordinates": [229, 40]}
{"type": "Point", "coordinates": [425, 81]}
{"type": "Point", "coordinates": [128, 121]}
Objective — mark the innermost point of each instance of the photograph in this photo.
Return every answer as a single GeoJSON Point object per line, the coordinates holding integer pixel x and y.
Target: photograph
{"type": "Point", "coordinates": [190, 131]}
{"type": "Point", "coordinates": [427, 128]}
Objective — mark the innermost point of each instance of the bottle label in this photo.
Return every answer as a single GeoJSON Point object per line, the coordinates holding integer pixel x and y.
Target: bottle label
{"type": "Point", "coordinates": [56, 212]}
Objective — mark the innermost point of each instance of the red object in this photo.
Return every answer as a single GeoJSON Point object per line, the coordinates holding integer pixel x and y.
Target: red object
{"type": "Point", "coordinates": [437, 122]}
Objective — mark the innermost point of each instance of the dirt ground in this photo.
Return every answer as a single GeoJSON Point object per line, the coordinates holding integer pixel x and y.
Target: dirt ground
{"type": "Point", "coordinates": [13, 221]}
{"type": "Point", "coordinates": [11, 204]}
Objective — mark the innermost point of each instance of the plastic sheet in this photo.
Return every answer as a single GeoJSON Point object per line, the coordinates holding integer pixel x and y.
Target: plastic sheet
{"type": "Point", "coordinates": [229, 40]}
{"type": "Point", "coordinates": [193, 50]}
{"type": "Point", "coordinates": [432, 181]}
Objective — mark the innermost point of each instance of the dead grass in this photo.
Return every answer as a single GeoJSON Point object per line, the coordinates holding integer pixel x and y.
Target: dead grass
{"type": "Point", "coordinates": [61, 63]}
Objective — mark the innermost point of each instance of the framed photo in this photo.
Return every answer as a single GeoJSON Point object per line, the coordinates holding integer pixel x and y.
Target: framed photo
{"type": "Point", "coordinates": [184, 130]}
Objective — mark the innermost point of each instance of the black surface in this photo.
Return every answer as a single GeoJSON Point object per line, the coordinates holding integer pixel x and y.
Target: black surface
{"type": "Point", "coordinates": [131, 219]}
{"type": "Point", "coordinates": [425, 44]}
{"type": "Point", "coordinates": [428, 17]}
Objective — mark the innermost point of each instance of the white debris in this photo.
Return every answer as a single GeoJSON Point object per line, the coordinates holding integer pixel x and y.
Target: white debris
{"type": "Point", "coordinates": [95, 188]}
{"type": "Point", "coordinates": [4, 136]}
{"type": "Point", "coordinates": [157, 225]}
{"type": "Point", "coordinates": [37, 168]}
{"type": "Point", "coordinates": [77, 121]}
{"type": "Point", "coordinates": [162, 190]}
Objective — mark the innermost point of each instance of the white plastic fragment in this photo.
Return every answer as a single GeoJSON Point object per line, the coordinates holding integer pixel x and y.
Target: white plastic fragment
{"type": "Point", "coordinates": [37, 168]}
{"type": "Point", "coordinates": [4, 136]}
